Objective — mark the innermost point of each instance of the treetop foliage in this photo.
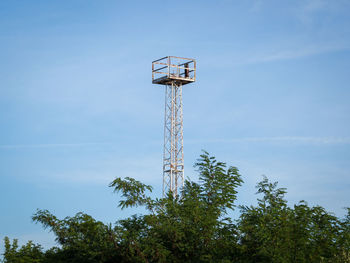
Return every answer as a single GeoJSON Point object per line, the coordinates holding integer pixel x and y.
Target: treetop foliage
{"type": "Point", "coordinates": [195, 227]}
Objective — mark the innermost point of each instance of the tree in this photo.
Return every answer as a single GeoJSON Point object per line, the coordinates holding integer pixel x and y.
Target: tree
{"type": "Point", "coordinates": [29, 253]}
{"type": "Point", "coordinates": [195, 227]}
{"type": "Point", "coordinates": [81, 238]}
{"type": "Point", "coordinates": [274, 232]}
{"type": "Point", "coordinates": [264, 228]}
{"type": "Point", "coordinates": [190, 228]}
{"type": "Point", "coordinates": [343, 241]}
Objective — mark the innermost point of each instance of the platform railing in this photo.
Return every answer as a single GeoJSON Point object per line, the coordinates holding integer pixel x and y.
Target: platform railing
{"type": "Point", "coordinates": [183, 68]}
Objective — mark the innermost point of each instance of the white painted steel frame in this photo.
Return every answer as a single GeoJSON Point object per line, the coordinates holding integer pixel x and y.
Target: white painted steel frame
{"type": "Point", "coordinates": [173, 157]}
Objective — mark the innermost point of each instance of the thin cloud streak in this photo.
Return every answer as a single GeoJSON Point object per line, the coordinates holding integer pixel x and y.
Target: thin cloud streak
{"type": "Point", "coordinates": [283, 139]}
{"type": "Point", "coordinates": [276, 54]}
{"type": "Point", "coordinates": [295, 54]}
{"type": "Point", "coordinates": [50, 145]}
{"type": "Point", "coordinates": [289, 139]}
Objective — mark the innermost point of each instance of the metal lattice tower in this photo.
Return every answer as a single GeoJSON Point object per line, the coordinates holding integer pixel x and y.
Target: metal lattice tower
{"type": "Point", "coordinates": [173, 72]}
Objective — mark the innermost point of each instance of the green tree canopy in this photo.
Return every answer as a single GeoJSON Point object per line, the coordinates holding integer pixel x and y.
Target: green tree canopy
{"type": "Point", "coordinates": [195, 227]}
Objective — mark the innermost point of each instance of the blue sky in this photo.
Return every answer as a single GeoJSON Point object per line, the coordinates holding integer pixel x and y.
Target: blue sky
{"type": "Point", "coordinates": [77, 107]}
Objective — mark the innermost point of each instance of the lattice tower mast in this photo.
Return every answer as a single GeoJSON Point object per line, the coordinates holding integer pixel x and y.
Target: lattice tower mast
{"type": "Point", "coordinates": [173, 72]}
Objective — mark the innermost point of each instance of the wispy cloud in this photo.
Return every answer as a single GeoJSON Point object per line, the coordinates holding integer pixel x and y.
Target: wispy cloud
{"type": "Point", "coordinates": [102, 171]}
{"type": "Point", "coordinates": [308, 9]}
{"type": "Point", "coordinates": [298, 52]}
{"type": "Point", "coordinates": [315, 5]}
{"type": "Point", "coordinates": [288, 139]}
{"type": "Point", "coordinates": [85, 176]}
{"type": "Point", "coordinates": [281, 139]}
{"type": "Point", "coordinates": [256, 6]}
{"type": "Point", "coordinates": [274, 53]}
{"type": "Point", "coordinates": [50, 145]}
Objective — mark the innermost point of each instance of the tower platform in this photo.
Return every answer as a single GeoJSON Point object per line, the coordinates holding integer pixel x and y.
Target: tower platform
{"type": "Point", "coordinates": [173, 69]}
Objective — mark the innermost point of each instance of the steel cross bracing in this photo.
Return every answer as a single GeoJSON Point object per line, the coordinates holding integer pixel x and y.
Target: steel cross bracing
{"type": "Point", "coordinates": [173, 157]}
